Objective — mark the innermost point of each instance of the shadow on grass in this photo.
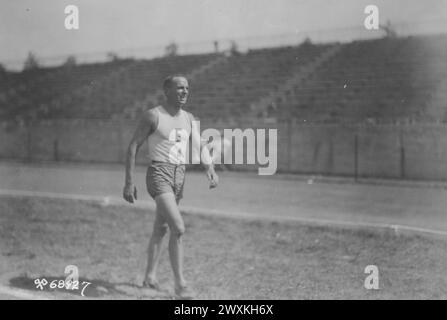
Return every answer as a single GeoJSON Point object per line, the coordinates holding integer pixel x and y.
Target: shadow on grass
{"type": "Point", "coordinates": [91, 288]}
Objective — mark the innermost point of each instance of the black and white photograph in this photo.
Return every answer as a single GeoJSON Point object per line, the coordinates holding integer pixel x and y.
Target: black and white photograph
{"type": "Point", "coordinates": [233, 151]}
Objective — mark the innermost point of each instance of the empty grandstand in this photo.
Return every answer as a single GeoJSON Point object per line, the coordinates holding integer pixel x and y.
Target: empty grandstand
{"type": "Point", "coordinates": [385, 80]}
{"type": "Point", "coordinates": [375, 81]}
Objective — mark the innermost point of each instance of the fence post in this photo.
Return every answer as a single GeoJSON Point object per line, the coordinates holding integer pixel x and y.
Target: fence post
{"type": "Point", "coordinates": [402, 154]}
{"type": "Point", "coordinates": [56, 150]}
{"type": "Point", "coordinates": [356, 156]}
{"type": "Point", "coordinates": [119, 123]}
{"type": "Point", "coordinates": [289, 144]}
{"type": "Point", "coordinates": [28, 140]}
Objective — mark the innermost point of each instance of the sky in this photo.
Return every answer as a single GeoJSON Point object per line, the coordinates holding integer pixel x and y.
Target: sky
{"type": "Point", "coordinates": [135, 26]}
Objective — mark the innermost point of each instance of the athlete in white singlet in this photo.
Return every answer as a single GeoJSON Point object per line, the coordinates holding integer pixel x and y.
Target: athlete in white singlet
{"type": "Point", "coordinates": [167, 129]}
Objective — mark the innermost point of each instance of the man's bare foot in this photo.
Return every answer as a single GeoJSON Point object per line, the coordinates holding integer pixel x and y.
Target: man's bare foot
{"type": "Point", "coordinates": [152, 284]}
{"type": "Point", "coordinates": [185, 292]}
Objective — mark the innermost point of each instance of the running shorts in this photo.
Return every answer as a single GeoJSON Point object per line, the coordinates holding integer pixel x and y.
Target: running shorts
{"type": "Point", "coordinates": [163, 177]}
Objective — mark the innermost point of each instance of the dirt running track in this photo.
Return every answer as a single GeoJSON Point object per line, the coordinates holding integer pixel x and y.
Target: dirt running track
{"type": "Point", "coordinates": [246, 193]}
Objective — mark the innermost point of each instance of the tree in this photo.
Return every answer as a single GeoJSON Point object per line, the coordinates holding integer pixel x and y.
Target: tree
{"type": "Point", "coordinates": [390, 32]}
{"type": "Point", "coordinates": [31, 62]}
{"type": "Point", "coordinates": [112, 56]}
{"type": "Point", "coordinates": [307, 41]}
{"type": "Point", "coordinates": [3, 73]}
{"type": "Point", "coordinates": [70, 62]}
{"type": "Point", "coordinates": [171, 50]}
{"type": "Point", "coordinates": [234, 50]}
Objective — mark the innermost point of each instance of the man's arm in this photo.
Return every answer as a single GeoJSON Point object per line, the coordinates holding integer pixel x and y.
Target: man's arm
{"type": "Point", "coordinates": [145, 127]}
{"type": "Point", "coordinates": [205, 157]}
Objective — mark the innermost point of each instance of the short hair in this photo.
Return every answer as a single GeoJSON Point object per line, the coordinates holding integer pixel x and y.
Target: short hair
{"type": "Point", "coordinates": [170, 79]}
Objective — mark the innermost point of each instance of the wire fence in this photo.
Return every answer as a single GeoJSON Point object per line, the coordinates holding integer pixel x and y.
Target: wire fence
{"type": "Point", "coordinates": [381, 151]}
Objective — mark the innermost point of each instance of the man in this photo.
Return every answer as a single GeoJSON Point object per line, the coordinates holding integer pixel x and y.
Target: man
{"type": "Point", "coordinates": [167, 129]}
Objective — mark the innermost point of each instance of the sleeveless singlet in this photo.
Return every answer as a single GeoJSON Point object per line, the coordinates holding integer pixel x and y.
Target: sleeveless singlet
{"type": "Point", "coordinates": [168, 143]}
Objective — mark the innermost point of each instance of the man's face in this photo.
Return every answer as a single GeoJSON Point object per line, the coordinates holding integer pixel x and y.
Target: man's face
{"type": "Point", "coordinates": [177, 93]}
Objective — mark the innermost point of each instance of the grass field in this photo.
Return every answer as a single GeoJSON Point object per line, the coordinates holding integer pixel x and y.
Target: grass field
{"type": "Point", "coordinates": [225, 258]}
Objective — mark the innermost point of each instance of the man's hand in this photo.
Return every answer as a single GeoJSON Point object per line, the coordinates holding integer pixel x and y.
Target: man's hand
{"type": "Point", "coordinates": [212, 177]}
{"type": "Point", "coordinates": [130, 193]}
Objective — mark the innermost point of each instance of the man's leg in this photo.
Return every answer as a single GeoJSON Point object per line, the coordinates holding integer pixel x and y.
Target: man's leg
{"type": "Point", "coordinates": [154, 250]}
{"type": "Point", "coordinates": [167, 205]}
